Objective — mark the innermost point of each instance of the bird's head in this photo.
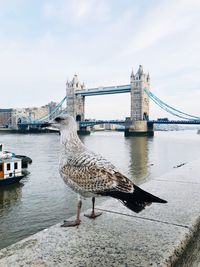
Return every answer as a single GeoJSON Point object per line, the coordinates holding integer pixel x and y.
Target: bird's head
{"type": "Point", "coordinates": [63, 121]}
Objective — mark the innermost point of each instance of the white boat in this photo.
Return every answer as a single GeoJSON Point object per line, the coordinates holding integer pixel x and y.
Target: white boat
{"type": "Point", "coordinates": [12, 167]}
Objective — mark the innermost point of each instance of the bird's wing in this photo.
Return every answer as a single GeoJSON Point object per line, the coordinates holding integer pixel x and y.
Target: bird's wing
{"type": "Point", "coordinates": [93, 173]}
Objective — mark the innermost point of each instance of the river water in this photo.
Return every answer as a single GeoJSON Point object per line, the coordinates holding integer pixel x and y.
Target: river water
{"type": "Point", "coordinates": [42, 199]}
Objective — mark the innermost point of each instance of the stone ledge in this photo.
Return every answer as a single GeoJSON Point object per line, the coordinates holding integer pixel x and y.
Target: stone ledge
{"type": "Point", "coordinates": [161, 235]}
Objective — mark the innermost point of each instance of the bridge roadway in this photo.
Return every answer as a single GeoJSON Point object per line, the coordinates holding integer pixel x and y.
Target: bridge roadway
{"type": "Point", "coordinates": [120, 89]}
{"type": "Point", "coordinates": [118, 122]}
{"type": "Point", "coordinates": [174, 121]}
{"type": "Point", "coordinates": [122, 122]}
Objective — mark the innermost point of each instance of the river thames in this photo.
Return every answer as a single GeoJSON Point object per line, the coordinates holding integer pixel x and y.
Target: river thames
{"type": "Point", "coordinates": [42, 199]}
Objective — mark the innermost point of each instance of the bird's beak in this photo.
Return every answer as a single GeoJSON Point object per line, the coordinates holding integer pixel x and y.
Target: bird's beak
{"type": "Point", "coordinates": [52, 124]}
{"type": "Point", "coordinates": [46, 124]}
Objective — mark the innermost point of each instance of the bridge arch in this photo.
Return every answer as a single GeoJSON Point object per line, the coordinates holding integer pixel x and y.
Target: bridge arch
{"type": "Point", "coordinates": [78, 117]}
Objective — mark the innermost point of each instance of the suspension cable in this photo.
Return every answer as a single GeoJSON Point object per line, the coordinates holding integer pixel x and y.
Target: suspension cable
{"type": "Point", "coordinates": [48, 116]}
{"type": "Point", "coordinates": [170, 109]}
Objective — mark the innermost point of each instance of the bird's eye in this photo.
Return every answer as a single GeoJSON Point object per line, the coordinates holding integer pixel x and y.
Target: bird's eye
{"type": "Point", "coordinates": [58, 119]}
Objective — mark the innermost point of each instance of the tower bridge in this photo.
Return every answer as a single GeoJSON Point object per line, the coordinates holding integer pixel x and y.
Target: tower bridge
{"type": "Point", "coordinates": [137, 124]}
{"type": "Point", "coordinates": [139, 85]}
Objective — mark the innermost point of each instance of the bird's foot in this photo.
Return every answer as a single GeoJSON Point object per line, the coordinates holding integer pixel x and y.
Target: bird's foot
{"type": "Point", "coordinates": [71, 223]}
{"type": "Point", "coordinates": [93, 215]}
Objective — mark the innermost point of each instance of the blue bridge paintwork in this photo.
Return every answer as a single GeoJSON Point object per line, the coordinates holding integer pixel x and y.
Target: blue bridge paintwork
{"type": "Point", "coordinates": [175, 122]}
{"type": "Point", "coordinates": [105, 90]}
{"type": "Point", "coordinates": [121, 122]}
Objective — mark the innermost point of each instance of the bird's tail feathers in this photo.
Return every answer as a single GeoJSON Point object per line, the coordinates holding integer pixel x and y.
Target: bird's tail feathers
{"type": "Point", "coordinates": [137, 200]}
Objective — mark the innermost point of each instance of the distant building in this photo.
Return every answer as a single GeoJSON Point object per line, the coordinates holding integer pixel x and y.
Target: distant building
{"type": "Point", "coordinates": [11, 117]}
{"type": "Point", "coordinates": [50, 110]}
{"type": "Point", "coordinates": [98, 127]}
{"type": "Point", "coordinates": [111, 127]}
{"type": "Point", "coordinates": [104, 127]}
{"type": "Point", "coordinates": [36, 113]}
{"type": "Point", "coordinates": [6, 117]}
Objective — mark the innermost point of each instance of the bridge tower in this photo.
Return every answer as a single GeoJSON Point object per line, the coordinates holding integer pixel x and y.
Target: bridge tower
{"type": "Point", "coordinates": [138, 123]}
{"type": "Point", "coordinates": [75, 103]}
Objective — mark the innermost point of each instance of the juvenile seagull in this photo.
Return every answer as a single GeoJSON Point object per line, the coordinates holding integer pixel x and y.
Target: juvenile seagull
{"type": "Point", "coordinates": [91, 175]}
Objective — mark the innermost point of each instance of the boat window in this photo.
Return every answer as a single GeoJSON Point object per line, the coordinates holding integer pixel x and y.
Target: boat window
{"type": "Point", "coordinates": [8, 166]}
{"type": "Point", "coordinates": [1, 167]}
{"type": "Point", "coordinates": [15, 165]}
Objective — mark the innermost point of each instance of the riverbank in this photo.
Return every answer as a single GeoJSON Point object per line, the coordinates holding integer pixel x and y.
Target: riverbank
{"type": "Point", "coordinates": [162, 235]}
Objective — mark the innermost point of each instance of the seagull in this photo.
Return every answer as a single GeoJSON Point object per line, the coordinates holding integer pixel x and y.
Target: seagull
{"type": "Point", "coordinates": [91, 175]}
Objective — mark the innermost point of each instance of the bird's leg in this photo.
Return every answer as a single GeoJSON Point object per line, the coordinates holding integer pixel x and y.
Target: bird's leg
{"type": "Point", "coordinates": [77, 221]}
{"type": "Point", "coordinates": [93, 214]}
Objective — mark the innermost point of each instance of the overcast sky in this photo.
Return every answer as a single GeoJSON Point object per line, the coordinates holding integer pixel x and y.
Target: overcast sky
{"type": "Point", "coordinates": [43, 43]}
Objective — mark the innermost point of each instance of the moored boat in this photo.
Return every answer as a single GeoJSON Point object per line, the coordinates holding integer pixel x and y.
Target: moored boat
{"type": "Point", "coordinates": [12, 167]}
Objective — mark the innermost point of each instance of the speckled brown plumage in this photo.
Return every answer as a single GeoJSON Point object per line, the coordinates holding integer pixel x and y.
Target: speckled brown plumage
{"type": "Point", "coordinates": [89, 174]}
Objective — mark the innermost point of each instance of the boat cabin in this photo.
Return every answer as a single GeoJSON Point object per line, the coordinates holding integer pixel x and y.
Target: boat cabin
{"type": "Point", "coordinates": [10, 168]}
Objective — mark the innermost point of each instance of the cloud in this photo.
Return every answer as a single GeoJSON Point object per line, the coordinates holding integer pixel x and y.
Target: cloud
{"type": "Point", "coordinates": [96, 10]}
{"type": "Point", "coordinates": [77, 11]}
{"type": "Point", "coordinates": [162, 20]}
